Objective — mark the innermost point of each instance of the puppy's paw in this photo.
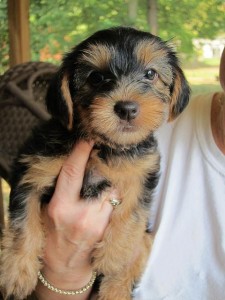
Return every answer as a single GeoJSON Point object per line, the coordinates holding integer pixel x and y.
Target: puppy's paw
{"type": "Point", "coordinates": [18, 275]}
{"type": "Point", "coordinates": [93, 185]}
{"type": "Point", "coordinates": [20, 263]}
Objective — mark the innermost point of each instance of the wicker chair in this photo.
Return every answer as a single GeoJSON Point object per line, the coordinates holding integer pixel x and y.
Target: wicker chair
{"type": "Point", "coordinates": [22, 93]}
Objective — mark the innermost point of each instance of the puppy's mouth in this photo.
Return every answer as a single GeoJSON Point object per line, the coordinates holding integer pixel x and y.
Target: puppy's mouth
{"type": "Point", "coordinates": [125, 126]}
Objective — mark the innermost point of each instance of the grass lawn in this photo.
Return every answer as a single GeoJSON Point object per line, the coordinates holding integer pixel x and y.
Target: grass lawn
{"type": "Point", "coordinates": [203, 78]}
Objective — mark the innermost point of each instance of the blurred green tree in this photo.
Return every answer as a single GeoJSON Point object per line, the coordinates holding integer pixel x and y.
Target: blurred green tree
{"type": "Point", "coordinates": [58, 25]}
{"type": "Point", "coordinates": [4, 41]}
{"type": "Point", "coordinates": [188, 19]}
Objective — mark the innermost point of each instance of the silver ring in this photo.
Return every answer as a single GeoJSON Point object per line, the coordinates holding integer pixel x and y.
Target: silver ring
{"type": "Point", "coordinates": [114, 202]}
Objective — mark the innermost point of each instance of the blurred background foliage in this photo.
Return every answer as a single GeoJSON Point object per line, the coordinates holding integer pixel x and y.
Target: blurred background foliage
{"type": "Point", "coordinates": [56, 26]}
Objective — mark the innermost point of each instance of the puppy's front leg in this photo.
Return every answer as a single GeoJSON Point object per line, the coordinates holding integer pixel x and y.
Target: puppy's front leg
{"type": "Point", "coordinates": [21, 248]}
{"type": "Point", "coordinates": [119, 286]}
{"type": "Point", "coordinates": [93, 184]}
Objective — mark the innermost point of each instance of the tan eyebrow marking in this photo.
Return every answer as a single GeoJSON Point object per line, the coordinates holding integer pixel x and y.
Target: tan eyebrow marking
{"type": "Point", "coordinates": [98, 55]}
{"type": "Point", "coordinates": [146, 51]}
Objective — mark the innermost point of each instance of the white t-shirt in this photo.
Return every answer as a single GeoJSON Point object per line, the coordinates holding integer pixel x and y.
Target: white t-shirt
{"type": "Point", "coordinates": [187, 261]}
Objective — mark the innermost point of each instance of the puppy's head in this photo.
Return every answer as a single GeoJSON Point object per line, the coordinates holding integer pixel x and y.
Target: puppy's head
{"type": "Point", "coordinates": [118, 86]}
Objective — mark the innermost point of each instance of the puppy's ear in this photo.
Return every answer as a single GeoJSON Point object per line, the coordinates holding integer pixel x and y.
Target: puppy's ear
{"type": "Point", "coordinates": [59, 101]}
{"type": "Point", "coordinates": [180, 93]}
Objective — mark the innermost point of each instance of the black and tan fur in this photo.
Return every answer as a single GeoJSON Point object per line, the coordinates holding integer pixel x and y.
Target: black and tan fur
{"type": "Point", "coordinates": [116, 88]}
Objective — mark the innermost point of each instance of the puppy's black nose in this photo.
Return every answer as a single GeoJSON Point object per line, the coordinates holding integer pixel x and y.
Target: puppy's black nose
{"type": "Point", "coordinates": [126, 110]}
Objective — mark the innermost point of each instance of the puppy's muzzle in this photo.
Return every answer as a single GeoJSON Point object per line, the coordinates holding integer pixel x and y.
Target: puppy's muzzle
{"type": "Point", "coordinates": [126, 110]}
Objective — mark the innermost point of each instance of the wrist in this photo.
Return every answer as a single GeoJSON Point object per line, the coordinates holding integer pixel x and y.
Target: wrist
{"type": "Point", "coordinates": [67, 261]}
{"type": "Point", "coordinates": [66, 277]}
{"type": "Point", "coordinates": [59, 286]}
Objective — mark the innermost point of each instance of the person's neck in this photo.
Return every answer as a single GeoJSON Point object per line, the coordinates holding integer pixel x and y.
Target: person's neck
{"type": "Point", "coordinates": [218, 120]}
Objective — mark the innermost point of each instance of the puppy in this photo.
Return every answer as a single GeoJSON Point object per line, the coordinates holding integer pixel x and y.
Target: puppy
{"type": "Point", "coordinates": [116, 88]}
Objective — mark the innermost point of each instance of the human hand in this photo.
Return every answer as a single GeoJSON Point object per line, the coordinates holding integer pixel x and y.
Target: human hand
{"type": "Point", "coordinates": [73, 226]}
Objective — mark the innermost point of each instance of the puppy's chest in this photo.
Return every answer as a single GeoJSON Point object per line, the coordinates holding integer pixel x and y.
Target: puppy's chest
{"type": "Point", "coordinates": [126, 173]}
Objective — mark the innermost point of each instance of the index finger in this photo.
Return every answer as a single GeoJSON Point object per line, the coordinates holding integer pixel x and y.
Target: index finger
{"type": "Point", "coordinates": [71, 175]}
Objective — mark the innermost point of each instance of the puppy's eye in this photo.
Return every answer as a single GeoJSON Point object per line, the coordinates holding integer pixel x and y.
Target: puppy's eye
{"type": "Point", "coordinates": [95, 78]}
{"type": "Point", "coordinates": [151, 74]}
